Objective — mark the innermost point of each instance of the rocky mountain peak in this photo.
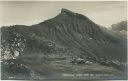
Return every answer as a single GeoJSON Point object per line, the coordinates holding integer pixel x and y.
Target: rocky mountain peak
{"type": "Point", "coordinates": [63, 10]}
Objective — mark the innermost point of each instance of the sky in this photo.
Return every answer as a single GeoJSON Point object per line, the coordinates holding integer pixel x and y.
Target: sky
{"type": "Point", "coordinates": [104, 13]}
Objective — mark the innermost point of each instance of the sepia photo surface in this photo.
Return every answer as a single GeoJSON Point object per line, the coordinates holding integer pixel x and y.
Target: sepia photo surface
{"type": "Point", "coordinates": [63, 40]}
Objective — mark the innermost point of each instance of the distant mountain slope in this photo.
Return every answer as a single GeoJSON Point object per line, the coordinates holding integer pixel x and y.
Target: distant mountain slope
{"type": "Point", "coordinates": [67, 36]}
{"type": "Point", "coordinates": [120, 27]}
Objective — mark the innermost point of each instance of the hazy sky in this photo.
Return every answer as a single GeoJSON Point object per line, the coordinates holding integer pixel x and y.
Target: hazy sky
{"type": "Point", "coordinates": [103, 13]}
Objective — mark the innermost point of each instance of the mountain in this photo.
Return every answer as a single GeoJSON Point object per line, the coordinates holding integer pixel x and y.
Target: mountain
{"type": "Point", "coordinates": [120, 27]}
{"type": "Point", "coordinates": [48, 46]}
